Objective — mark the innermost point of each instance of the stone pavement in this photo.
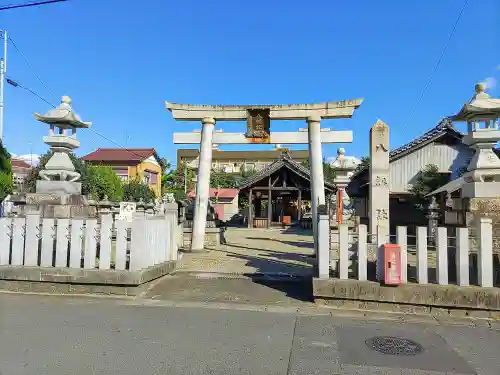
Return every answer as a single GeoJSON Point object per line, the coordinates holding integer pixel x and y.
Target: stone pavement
{"type": "Point", "coordinates": [251, 251]}
{"type": "Point", "coordinates": [77, 335]}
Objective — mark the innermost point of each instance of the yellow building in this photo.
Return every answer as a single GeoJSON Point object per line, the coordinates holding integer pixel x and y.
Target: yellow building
{"type": "Point", "coordinates": [131, 163]}
{"type": "Point", "coordinates": [236, 161]}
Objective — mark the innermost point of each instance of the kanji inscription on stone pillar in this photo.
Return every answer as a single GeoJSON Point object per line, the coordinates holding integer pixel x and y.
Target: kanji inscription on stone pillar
{"type": "Point", "coordinates": [379, 177]}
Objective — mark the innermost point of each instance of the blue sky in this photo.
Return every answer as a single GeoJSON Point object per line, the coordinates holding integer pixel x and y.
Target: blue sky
{"type": "Point", "coordinates": [119, 61]}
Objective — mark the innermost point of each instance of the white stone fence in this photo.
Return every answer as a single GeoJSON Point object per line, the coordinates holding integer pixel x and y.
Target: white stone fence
{"type": "Point", "coordinates": [460, 260]}
{"type": "Point", "coordinates": [103, 244]}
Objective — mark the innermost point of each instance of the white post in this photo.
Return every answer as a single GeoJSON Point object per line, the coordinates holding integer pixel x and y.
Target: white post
{"type": "Point", "coordinates": [422, 275]}
{"type": "Point", "coordinates": [442, 256]}
{"type": "Point", "coordinates": [362, 253]}
{"type": "Point", "coordinates": [203, 185]}
{"type": "Point", "coordinates": [316, 166]}
{"type": "Point", "coordinates": [485, 252]}
{"type": "Point", "coordinates": [343, 251]}
{"type": "Point", "coordinates": [402, 240]}
{"type": "Point", "coordinates": [462, 257]}
{"type": "Point", "coordinates": [323, 247]}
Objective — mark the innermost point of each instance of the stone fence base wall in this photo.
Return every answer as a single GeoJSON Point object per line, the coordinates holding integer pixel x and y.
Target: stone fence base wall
{"type": "Point", "coordinates": [437, 300]}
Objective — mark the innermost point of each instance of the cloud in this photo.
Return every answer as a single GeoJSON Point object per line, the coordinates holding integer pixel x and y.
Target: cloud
{"type": "Point", "coordinates": [490, 82]}
{"type": "Point", "coordinates": [498, 67]}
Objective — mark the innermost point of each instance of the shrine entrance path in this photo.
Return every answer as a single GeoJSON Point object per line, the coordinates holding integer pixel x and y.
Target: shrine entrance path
{"type": "Point", "coordinates": [267, 252]}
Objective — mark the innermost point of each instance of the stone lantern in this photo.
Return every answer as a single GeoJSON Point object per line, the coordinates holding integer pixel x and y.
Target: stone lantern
{"type": "Point", "coordinates": [59, 175]}
{"type": "Point", "coordinates": [482, 179]}
{"type": "Point", "coordinates": [344, 168]}
{"type": "Point", "coordinates": [58, 190]}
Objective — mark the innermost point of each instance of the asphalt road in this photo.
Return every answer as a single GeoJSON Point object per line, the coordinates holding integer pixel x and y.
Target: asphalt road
{"type": "Point", "coordinates": [54, 335]}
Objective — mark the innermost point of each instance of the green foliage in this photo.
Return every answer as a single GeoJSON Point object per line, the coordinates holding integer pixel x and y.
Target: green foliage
{"type": "Point", "coordinates": [364, 165]}
{"type": "Point", "coordinates": [6, 183]}
{"type": "Point", "coordinates": [80, 166]}
{"type": "Point", "coordinates": [104, 182]}
{"type": "Point", "coordinates": [165, 165]}
{"type": "Point", "coordinates": [5, 160]}
{"type": "Point", "coordinates": [135, 190]}
{"type": "Point", "coordinates": [428, 180]}
{"type": "Point", "coordinates": [222, 180]}
{"type": "Point", "coordinates": [176, 180]}
{"type": "Point", "coordinates": [328, 170]}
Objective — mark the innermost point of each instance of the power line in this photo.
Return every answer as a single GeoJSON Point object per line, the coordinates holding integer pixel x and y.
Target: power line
{"type": "Point", "coordinates": [30, 66]}
{"type": "Point", "coordinates": [450, 37]}
{"type": "Point", "coordinates": [17, 84]}
{"type": "Point", "coordinates": [30, 4]}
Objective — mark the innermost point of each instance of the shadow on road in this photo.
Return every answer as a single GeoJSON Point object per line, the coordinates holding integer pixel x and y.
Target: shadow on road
{"type": "Point", "coordinates": [309, 245]}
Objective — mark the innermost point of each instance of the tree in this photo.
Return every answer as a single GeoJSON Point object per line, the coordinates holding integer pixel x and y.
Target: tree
{"type": "Point", "coordinates": [135, 190]}
{"type": "Point", "coordinates": [178, 181]}
{"type": "Point", "coordinates": [428, 180]}
{"type": "Point", "coordinates": [364, 165]}
{"type": "Point", "coordinates": [6, 183]}
{"type": "Point", "coordinates": [104, 182]}
{"type": "Point", "coordinates": [222, 180]}
{"type": "Point", "coordinates": [329, 171]}
{"type": "Point", "coordinates": [80, 167]}
{"type": "Point", "coordinates": [165, 165]}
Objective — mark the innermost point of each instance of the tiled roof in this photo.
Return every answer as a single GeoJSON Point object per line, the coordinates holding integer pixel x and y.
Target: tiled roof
{"type": "Point", "coordinates": [132, 155]}
{"type": "Point", "coordinates": [285, 160]}
{"type": "Point", "coordinates": [221, 193]}
{"type": "Point", "coordinates": [19, 164]}
{"type": "Point", "coordinates": [445, 126]}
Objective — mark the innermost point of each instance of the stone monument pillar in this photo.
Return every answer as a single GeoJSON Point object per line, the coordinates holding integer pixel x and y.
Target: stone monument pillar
{"type": "Point", "coordinates": [379, 179]}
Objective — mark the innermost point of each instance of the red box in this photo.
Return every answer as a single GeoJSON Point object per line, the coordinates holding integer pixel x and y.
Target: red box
{"type": "Point", "coordinates": [392, 264]}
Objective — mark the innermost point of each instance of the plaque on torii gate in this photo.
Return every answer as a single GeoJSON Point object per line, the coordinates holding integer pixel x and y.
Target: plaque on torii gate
{"type": "Point", "coordinates": [258, 118]}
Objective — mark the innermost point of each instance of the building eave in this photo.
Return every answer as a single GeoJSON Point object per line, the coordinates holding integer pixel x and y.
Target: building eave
{"type": "Point", "coordinates": [284, 161]}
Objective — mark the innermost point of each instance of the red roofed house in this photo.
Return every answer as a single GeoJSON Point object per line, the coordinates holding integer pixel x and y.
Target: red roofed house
{"type": "Point", "coordinates": [20, 170]}
{"type": "Point", "coordinates": [131, 163]}
{"type": "Point", "coordinates": [225, 202]}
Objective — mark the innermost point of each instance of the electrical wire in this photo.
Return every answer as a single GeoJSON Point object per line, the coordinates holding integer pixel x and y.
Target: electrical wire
{"type": "Point", "coordinates": [30, 4]}
{"type": "Point", "coordinates": [450, 37]}
{"type": "Point", "coordinates": [17, 84]}
{"type": "Point", "coordinates": [29, 65]}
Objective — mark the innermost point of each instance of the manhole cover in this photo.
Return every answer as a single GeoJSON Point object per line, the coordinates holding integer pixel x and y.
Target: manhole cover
{"type": "Point", "coordinates": [394, 346]}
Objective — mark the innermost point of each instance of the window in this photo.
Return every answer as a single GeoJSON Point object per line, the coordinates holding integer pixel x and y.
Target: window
{"type": "Point", "coordinates": [150, 177]}
{"type": "Point", "coordinates": [122, 173]}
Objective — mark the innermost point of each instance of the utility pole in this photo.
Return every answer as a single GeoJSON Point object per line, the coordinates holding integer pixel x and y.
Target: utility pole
{"type": "Point", "coordinates": [3, 70]}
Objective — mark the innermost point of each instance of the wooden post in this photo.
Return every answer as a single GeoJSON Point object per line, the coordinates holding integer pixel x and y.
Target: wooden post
{"type": "Point", "coordinates": [299, 206]}
{"type": "Point", "coordinates": [269, 205]}
{"type": "Point", "coordinates": [250, 214]}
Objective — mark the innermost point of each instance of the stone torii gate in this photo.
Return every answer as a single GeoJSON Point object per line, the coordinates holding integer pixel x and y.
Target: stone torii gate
{"type": "Point", "coordinates": [258, 119]}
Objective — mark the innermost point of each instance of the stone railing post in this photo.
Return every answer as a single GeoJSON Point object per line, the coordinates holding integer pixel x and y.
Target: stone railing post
{"type": "Point", "coordinates": [485, 252]}
{"type": "Point", "coordinates": [323, 242]}
{"type": "Point", "coordinates": [149, 210]}
{"type": "Point", "coordinates": [139, 210]}
{"type": "Point", "coordinates": [171, 216]}
{"type": "Point", "coordinates": [105, 206]}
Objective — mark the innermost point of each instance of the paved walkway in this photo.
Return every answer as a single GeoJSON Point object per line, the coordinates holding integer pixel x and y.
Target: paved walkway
{"type": "Point", "coordinates": [62, 335]}
{"type": "Point", "coordinates": [256, 251]}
